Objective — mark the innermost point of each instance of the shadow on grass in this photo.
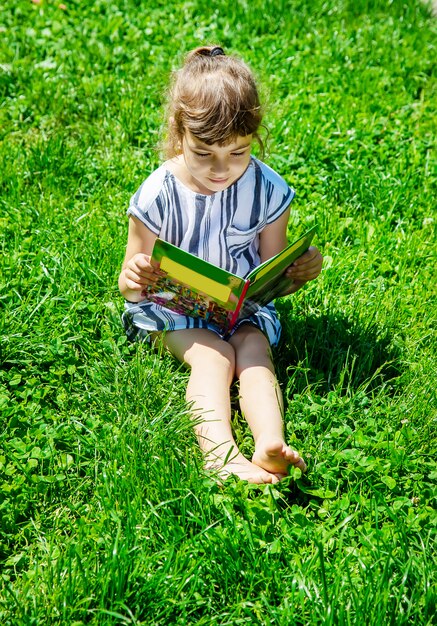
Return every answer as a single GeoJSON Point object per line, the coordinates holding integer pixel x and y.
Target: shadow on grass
{"type": "Point", "coordinates": [333, 352]}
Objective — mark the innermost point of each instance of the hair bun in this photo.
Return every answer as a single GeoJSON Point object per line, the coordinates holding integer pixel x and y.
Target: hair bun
{"type": "Point", "coordinates": [217, 51]}
{"type": "Point", "coordinates": [206, 51]}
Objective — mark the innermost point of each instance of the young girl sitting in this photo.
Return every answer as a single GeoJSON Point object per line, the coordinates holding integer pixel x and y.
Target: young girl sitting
{"type": "Point", "coordinates": [215, 200]}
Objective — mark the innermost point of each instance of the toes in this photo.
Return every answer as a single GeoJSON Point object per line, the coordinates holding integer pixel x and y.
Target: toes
{"type": "Point", "coordinates": [280, 476]}
{"type": "Point", "coordinates": [275, 478]}
{"type": "Point", "coordinates": [302, 465]}
{"type": "Point", "coordinates": [248, 471]}
{"type": "Point", "coordinates": [291, 455]}
{"type": "Point", "coordinates": [295, 459]}
{"type": "Point", "coordinates": [276, 457]}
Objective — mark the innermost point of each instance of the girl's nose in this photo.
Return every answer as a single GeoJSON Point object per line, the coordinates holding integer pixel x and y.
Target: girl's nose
{"type": "Point", "coordinates": [219, 166]}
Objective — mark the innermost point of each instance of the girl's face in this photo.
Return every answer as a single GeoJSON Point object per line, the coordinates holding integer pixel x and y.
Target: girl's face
{"type": "Point", "coordinates": [215, 167]}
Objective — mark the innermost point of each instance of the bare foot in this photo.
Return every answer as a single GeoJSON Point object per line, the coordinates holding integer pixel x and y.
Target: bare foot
{"type": "Point", "coordinates": [275, 456]}
{"type": "Point", "coordinates": [244, 469]}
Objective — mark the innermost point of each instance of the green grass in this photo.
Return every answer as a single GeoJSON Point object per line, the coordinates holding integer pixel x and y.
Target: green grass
{"type": "Point", "coordinates": [105, 514]}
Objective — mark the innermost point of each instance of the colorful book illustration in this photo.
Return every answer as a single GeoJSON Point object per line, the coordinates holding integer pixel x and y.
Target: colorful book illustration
{"type": "Point", "coordinates": [192, 286]}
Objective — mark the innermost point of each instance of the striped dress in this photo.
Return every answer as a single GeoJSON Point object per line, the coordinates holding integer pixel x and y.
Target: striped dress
{"type": "Point", "coordinates": [222, 228]}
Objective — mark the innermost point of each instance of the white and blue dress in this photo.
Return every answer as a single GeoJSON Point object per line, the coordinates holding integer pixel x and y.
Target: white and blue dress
{"type": "Point", "coordinates": [222, 228]}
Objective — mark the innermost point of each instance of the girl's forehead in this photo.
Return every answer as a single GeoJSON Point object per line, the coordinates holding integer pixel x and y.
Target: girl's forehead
{"type": "Point", "coordinates": [237, 143]}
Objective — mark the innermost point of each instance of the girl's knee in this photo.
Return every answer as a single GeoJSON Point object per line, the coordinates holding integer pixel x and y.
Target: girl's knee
{"type": "Point", "coordinates": [250, 339]}
{"type": "Point", "coordinates": [215, 354]}
{"type": "Point", "coordinates": [252, 348]}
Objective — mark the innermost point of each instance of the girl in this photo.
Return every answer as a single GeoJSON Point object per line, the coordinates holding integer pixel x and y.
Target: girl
{"type": "Point", "coordinates": [213, 199]}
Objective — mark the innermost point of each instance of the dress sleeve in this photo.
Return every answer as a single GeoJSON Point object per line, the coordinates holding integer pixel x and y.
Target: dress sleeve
{"type": "Point", "coordinates": [147, 202]}
{"type": "Point", "coordinates": [280, 196]}
{"type": "Point", "coordinates": [276, 195]}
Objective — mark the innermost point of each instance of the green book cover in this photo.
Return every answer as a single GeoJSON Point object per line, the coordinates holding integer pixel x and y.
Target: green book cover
{"type": "Point", "coordinates": [267, 281]}
{"type": "Point", "coordinates": [192, 286]}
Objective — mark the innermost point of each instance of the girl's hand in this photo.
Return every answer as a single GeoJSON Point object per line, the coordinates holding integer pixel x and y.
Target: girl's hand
{"type": "Point", "coordinates": [137, 274]}
{"type": "Point", "coordinates": [306, 267]}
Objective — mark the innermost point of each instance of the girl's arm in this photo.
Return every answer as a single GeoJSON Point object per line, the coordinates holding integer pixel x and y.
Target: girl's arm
{"type": "Point", "coordinates": [273, 239]}
{"type": "Point", "coordinates": [137, 270]}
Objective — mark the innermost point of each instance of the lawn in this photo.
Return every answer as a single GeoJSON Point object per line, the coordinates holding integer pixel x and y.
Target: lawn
{"type": "Point", "coordinates": [106, 516]}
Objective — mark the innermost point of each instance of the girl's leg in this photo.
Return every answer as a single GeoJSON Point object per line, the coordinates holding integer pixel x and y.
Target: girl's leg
{"type": "Point", "coordinates": [261, 400]}
{"type": "Point", "coordinates": [212, 364]}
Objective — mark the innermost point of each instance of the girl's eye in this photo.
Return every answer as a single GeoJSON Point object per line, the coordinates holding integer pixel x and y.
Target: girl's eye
{"type": "Point", "coordinates": [237, 154]}
{"type": "Point", "coordinates": [202, 154]}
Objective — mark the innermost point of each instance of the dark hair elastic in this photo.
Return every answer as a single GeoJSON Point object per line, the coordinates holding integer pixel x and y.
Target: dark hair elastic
{"type": "Point", "coordinates": [217, 51]}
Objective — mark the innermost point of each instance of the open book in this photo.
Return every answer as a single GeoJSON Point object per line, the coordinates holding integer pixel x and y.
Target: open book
{"type": "Point", "coordinates": [198, 288]}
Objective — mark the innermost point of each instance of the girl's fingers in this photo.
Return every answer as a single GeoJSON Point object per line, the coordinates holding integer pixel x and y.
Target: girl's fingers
{"type": "Point", "coordinates": [312, 255]}
{"type": "Point", "coordinates": [306, 267]}
{"type": "Point", "coordinates": [307, 271]}
{"type": "Point", "coordinates": [143, 265]}
{"type": "Point", "coordinates": [136, 279]}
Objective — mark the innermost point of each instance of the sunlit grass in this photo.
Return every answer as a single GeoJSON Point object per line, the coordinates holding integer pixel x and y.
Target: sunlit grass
{"type": "Point", "coordinates": [106, 516]}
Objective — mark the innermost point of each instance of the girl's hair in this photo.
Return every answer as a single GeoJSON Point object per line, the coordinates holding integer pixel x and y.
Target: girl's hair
{"type": "Point", "coordinates": [214, 97]}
